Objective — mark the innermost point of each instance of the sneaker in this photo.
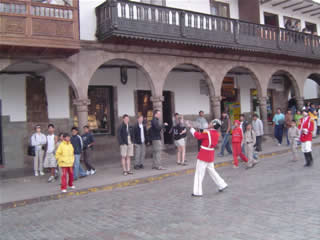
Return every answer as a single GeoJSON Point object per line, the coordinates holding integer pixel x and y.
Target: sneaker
{"type": "Point", "coordinates": [42, 173]}
{"type": "Point", "coordinates": [51, 179]}
{"type": "Point", "coordinates": [234, 166]}
{"type": "Point", "coordinates": [220, 155]}
{"type": "Point", "coordinates": [73, 187]}
{"type": "Point", "coordinates": [64, 190]}
{"type": "Point", "coordinates": [93, 171]}
{"type": "Point", "coordinates": [136, 167]}
{"type": "Point", "coordinates": [141, 166]}
{"type": "Point", "coordinates": [194, 195]}
{"type": "Point", "coordinates": [88, 172]}
{"type": "Point", "coordinates": [279, 145]}
{"type": "Point", "coordinates": [36, 173]}
{"type": "Point", "coordinates": [222, 189]}
{"type": "Point", "coordinates": [129, 172]}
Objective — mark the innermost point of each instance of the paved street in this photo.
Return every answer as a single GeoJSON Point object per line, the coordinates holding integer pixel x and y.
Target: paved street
{"type": "Point", "coordinates": [278, 199]}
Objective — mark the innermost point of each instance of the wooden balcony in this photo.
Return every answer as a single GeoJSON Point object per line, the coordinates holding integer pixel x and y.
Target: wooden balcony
{"type": "Point", "coordinates": [121, 20]}
{"type": "Point", "coordinates": [31, 28]}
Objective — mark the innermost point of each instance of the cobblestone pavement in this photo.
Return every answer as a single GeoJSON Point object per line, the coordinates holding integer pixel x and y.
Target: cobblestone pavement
{"type": "Point", "coordinates": [278, 199]}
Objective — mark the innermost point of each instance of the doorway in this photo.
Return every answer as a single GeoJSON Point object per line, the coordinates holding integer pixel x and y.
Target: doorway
{"type": "Point", "coordinates": [271, 19]}
{"type": "Point", "coordinates": [145, 108]}
{"type": "Point", "coordinates": [1, 153]}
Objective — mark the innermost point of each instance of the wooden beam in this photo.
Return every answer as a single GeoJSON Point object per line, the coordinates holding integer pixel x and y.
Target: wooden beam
{"type": "Point", "coordinates": [293, 5]}
{"type": "Point", "coordinates": [307, 6]}
{"type": "Point", "coordinates": [315, 14]}
{"type": "Point", "coordinates": [312, 10]}
{"type": "Point", "coordinates": [265, 1]}
{"type": "Point", "coordinates": [280, 3]}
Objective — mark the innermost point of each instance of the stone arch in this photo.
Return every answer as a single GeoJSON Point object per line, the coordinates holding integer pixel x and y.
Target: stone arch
{"type": "Point", "coordinates": [60, 67]}
{"type": "Point", "coordinates": [314, 76]}
{"type": "Point", "coordinates": [292, 79]}
{"type": "Point", "coordinates": [251, 69]}
{"type": "Point", "coordinates": [94, 59]}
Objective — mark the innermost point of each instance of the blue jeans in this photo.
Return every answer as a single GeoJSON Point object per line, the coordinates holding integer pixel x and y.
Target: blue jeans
{"type": "Point", "coordinates": [286, 131]}
{"type": "Point", "coordinates": [77, 168]}
{"type": "Point", "coordinates": [225, 143]}
{"type": "Point", "coordinates": [278, 132]}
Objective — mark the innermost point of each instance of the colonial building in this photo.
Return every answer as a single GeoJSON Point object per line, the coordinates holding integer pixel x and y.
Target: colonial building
{"type": "Point", "coordinates": [75, 62]}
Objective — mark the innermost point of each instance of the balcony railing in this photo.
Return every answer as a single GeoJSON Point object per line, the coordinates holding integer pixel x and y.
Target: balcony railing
{"type": "Point", "coordinates": [121, 18]}
{"type": "Point", "coordinates": [25, 23]}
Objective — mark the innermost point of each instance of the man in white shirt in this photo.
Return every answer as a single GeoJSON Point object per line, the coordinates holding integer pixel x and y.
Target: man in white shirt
{"type": "Point", "coordinates": [258, 129]}
{"type": "Point", "coordinates": [50, 159]}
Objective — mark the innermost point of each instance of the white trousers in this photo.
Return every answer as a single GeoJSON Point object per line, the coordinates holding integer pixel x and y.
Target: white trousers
{"type": "Point", "coordinates": [201, 172]}
{"type": "Point", "coordinates": [306, 147]}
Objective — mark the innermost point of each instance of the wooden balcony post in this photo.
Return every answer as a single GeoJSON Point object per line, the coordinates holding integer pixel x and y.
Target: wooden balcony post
{"type": "Point", "coordinates": [236, 31]}
{"type": "Point", "coordinates": [28, 19]}
{"type": "Point", "coordinates": [75, 16]}
{"type": "Point", "coordinates": [182, 22]}
{"type": "Point", "coordinates": [114, 13]}
{"type": "Point", "coordinates": [278, 38]}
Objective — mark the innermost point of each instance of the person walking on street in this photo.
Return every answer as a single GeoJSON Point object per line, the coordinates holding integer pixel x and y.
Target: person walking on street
{"type": "Point", "coordinates": [249, 143]}
{"type": "Point", "coordinates": [257, 126]}
{"type": "Point", "coordinates": [88, 142]}
{"type": "Point", "coordinates": [179, 134]}
{"type": "Point", "coordinates": [225, 132]}
{"type": "Point", "coordinates": [243, 126]}
{"type": "Point", "coordinates": [38, 141]}
{"type": "Point", "coordinates": [209, 140]}
{"type": "Point", "coordinates": [140, 140]}
{"type": "Point", "coordinates": [125, 138]}
{"type": "Point", "coordinates": [50, 159]}
{"type": "Point", "coordinates": [77, 144]}
{"type": "Point", "coordinates": [237, 141]}
{"type": "Point", "coordinates": [306, 127]}
{"type": "Point", "coordinates": [65, 157]}
{"type": "Point", "coordinates": [202, 124]}
{"type": "Point", "coordinates": [293, 134]}
{"type": "Point", "coordinates": [155, 137]}
{"type": "Point", "coordinates": [288, 119]}
{"type": "Point", "coordinates": [278, 123]}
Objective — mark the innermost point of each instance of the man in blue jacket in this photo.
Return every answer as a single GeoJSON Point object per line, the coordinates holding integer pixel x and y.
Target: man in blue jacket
{"type": "Point", "coordinates": [77, 144]}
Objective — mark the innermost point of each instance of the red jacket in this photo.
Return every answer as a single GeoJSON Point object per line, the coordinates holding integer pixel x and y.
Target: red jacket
{"type": "Point", "coordinates": [208, 143]}
{"type": "Point", "coordinates": [237, 135]}
{"type": "Point", "coordinates": [306, 124]}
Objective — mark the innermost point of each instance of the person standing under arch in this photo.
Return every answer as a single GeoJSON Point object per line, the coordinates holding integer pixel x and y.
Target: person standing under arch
{"type": "Point", "coordinates": [278, 123]}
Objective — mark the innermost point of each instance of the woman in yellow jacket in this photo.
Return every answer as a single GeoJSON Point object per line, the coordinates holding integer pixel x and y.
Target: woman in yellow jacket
{"type": "Point", "coordinates": [65, 158]}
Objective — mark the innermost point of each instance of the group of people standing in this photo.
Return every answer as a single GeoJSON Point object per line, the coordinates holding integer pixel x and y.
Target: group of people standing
{"type": "Point", "coordinates": [62, 153]}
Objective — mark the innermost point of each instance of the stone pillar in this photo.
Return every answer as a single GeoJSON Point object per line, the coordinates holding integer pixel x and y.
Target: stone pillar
{"type": "Point", "coordinates": [82, 111]}
{"type": "Point", "coordinates": [215, 104]}
{"type": "Point", "coordinates": [264, 114]}
{"type": "Point", "coordinates": [157, 102]}
{"type": "Point", "coordinates": [300, 103]}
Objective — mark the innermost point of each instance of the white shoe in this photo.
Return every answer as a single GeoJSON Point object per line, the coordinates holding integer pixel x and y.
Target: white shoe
{"type": "Point", "coordinates": [93, 172]}
{"type": "Point", "coordinates": [36, 173]}
{"type": "Point", "coordinates": [51, 179]}
{"type": "Point", "coordinates": [41, 173]}
{"type": "Point", "coordinates": [279, 144]}
{"type": "Point", "coordinates": [64, 191]}
{"type": "Point", "coordinates": [73, 187]}
{"type": "Point", "coordinates": [88, 173]}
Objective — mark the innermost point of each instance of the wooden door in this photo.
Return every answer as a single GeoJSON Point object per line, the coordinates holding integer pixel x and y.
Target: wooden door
{"type": "Point", "coordinates": [37, 106]}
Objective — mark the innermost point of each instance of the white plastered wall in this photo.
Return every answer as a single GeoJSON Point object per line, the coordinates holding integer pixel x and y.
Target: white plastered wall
{"type": "Point", "coordinates": [311, 89]}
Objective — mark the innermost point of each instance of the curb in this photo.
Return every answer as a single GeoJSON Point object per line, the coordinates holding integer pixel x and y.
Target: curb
{"type": "Point", "coordinates": [123, 184]}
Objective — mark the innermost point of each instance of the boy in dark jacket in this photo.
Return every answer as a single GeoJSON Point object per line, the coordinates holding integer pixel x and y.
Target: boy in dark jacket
{"type": "Point", "coordinates": [140, 140]}
{"type": "Point", "coordinates": [77, 144]}
{"type": "Point", "coordinates": [125, 138]}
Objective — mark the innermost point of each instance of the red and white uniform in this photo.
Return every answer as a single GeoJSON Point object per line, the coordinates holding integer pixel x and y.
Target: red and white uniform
{"type": "Point", "coordinates": [209, 139]}
{"type": "Point", "coordinates": [306, 127]}
{"type": "Point", "coordinates": [237, 136]}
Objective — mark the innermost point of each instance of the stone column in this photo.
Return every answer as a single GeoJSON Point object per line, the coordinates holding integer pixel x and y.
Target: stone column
{"type": "Point", "coordinates": [215, 104]}
{"type": "Point", "coordinates": [264, 114]}
{"type": "Point", "coordinates": [82, 111]}
{"type": "Point", "coordinates": [157, 102]}
{"type": "Point", "coordinates": [300, 103]}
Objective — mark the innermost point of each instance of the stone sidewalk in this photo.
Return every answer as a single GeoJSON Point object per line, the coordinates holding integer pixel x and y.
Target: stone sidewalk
{"type": "Point", "coordinates": [30, 187]}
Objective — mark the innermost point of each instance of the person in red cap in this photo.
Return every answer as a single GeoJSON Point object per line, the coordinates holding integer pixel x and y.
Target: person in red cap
{"type": "Point", "coordinates": [237, 137]}
{"type": "Point", "coordinates": [209, 139]}
{"type": "Point", "coordinates": [306, 127]}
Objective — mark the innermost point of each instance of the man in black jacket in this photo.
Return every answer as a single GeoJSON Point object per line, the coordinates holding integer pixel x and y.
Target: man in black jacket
{"type": "Point", "coordinates": [155, 137]}
{"type": "Point", "coordinates": [140, 140]}
{"type": "Point", "coordinates": [77, 144]}
{"type": "Point", "coordinates": [125, 138]}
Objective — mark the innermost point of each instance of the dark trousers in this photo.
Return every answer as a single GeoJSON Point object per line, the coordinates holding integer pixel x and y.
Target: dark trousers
{"type": "Point", "coordinates": [286, 131]}
{"type": "Point", "coordinates": [86, 158]}
{"type": "Point", "coordinates": [258, 143]}
{"type": "Point", "coordinates": [278, 132]}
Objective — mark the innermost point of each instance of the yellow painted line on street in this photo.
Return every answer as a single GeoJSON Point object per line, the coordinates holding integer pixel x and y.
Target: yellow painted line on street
{"type": "Point", "coordinates": [124, 184]}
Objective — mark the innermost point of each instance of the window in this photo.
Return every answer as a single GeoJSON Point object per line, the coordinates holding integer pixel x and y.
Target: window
{"type": "Point", "coordinates": [220, 9]}
{"type": "Point", "coordinates": [271, 19]}
{"type": "Point", "coordinates": [155, 2]}
{"type": "Point", "coordinates": [292, 24]}
{"type": "Point", "coordinates": [311, 28]}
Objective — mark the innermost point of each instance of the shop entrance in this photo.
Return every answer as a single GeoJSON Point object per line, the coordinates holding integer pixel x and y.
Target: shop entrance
{"type": "Point", "coordinates": [145, 109]}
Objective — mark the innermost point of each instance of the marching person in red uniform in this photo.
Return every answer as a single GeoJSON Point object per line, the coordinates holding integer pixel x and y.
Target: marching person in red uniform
{"type": "Point", "coordinates": [306, 127]}
{"type": "Point", "coordinates": [209, 139]}
{"type": "Point", "coordinates": [237, 137]}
